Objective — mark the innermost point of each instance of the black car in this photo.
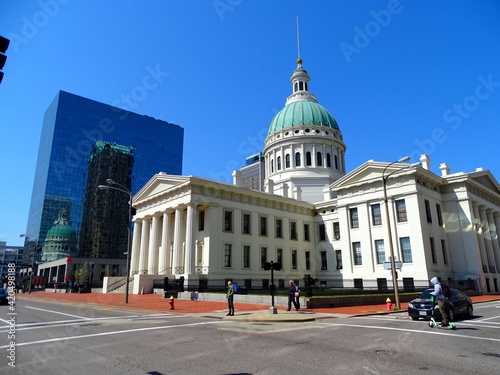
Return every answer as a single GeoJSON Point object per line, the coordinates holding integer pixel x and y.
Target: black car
{"type": "Point", "coordinates": [422, 306]}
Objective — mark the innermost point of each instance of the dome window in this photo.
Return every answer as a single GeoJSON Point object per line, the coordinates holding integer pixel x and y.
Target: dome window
{"type": "Point", "coordinates": [336, 159]}
{"type": "Point", "coordinates": [308, 158]}
{"type": "Point", "coordinates": [287, 161]}
{"type": "Point", "coordinates": [328, 160]}
{"type": "Point", "coordinates": [301, 86]}
{"type": "Point", "coordinates": [319, 159]}
{"type": "Point", "coordinates": [307, 130]}
{"type": "Point", "coordinates": [295, 87]}
{"type": "Point", "coordinates": [297, 159]}
{"type": "Point", "coordinates": [296, 132]}
{"type": "Point", "coordinates": [278, 161]}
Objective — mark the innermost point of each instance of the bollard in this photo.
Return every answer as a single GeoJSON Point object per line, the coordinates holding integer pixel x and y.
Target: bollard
{"type": "Point", "coordinates": [389, 304]}
{"type": "Point", "coordinates": [171, 302]}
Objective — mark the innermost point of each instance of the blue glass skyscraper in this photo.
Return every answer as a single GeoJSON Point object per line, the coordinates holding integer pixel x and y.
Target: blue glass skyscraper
{"type": "Point", "coordinates": [72, 127]}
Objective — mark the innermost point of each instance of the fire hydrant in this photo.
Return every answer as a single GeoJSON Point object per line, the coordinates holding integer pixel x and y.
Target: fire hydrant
{"type": "Point", "coordinates": [171, 302]}
{"type": "Point", "coordinates": [389, 304]}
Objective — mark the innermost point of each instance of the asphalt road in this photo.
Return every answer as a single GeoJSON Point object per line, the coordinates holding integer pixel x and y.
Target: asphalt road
{"type": "Point", "coordinates": [68, 338]}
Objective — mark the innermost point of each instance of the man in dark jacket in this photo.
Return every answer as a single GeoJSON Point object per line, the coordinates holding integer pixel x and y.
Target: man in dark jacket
{"type": "Point", "coordinates": [291, 296]}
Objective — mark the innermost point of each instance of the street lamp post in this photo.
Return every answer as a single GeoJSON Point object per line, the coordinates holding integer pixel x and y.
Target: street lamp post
{"type": "Point", "coordinates": [389, 232]}
{"type": "Point", "coordinates": [129, 229]}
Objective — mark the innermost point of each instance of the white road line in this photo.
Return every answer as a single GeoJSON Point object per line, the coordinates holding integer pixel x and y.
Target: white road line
{"type": "Point", "coordinates": [56, 312]}
{"type": "Point", "coordinates": [58, 323]}
{"type": "Point", "coordinates": [411, 330]}
{"type": "Point", "coordinates": [110, 333]}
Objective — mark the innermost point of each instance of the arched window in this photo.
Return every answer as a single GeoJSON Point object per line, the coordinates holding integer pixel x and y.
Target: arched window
{"type": "Point", "coordinates": [278, 160]}
{"type": "Point", "coordinates": [297, 159]}
{"type": "Point", "coordinates": [336, 162]}
{"type": "Point", "coordinates": [287, 161]}
{"type": "Point", "coordinates": [301, 85]}
{"type": "Point", "coordinates": [295, 87]}
{"type": "Point", "coordinates": [272, 166]}
{"type": "Point", "coordinates": [308, 158]}
{"type": "Point", "coordinates": [305, 83]}
{"type": "Point", "coordinates": [328, 160]}
{"type": "Point", "coordinates": [319, 159]}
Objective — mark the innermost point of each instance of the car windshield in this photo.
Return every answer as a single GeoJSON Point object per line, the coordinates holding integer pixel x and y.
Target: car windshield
{"type": "Point", "coordinates": [426, 294]}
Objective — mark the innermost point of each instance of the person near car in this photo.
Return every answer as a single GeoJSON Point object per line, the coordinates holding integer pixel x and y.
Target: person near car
{"type": "Point", "coordinates": [441, 301]}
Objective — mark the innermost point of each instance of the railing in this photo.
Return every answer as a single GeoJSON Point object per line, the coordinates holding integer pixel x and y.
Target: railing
{"type": "Point", "coordinates": [201, 269]}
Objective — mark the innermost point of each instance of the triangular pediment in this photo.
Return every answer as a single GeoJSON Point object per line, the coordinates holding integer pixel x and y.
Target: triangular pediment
{"type": "Point", "coordinates": [159, 184]}
{"type": "Point", "coordinates": [486, 179]}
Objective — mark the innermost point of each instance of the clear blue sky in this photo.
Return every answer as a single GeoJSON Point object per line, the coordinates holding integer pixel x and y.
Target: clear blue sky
{"type": "Point", "coordinates": [400, 77]}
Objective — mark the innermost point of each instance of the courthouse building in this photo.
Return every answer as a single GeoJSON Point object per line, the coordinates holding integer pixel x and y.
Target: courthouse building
{"type": "Point", "coordinates": [315, 218]}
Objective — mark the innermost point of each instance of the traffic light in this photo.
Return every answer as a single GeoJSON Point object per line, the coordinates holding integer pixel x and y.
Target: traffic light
{"type": "Point", "coordinates": [4, 44]}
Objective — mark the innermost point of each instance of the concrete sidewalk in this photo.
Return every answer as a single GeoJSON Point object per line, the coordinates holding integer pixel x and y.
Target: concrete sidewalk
{"type": "Point", "coordinates": [243, 311]}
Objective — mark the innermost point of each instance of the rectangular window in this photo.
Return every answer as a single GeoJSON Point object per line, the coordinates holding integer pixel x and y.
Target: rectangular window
{"type": "Point", "coordinates": [294, 259]}
{"type": "Point", "coordinates": [338, 258]}
{"type": "Point", "coordinates": [263, 256]}
{"type": "Point", "coordinates": [246, 256]}
{"type": "Point", "coordinates": [228, 221]}
{"type": "Point", "coordinates": [227, 255]}
{"type": "Point", "coordinates": [401, 211]}
{"type": "Point", "coordinates": [443, 248]}
{"type": "Point", "coordinates": [356, 253]}
{"type": "Point", "coordinates": [433, 251]}
{"type": "Point", "coordinates": [382, 284]}
{"type": "Point", "coordinates": [428, 211]}
{"type": "Point", "coordinates": [324, 261]}
{"type": "Point", "coordinates": [353, 215]}
{"type": "Point", "coordinates": [336, 231]}
{"type": "Point", "coordinates": [376, 214]}
{"type": "Point", "coordinates": [279, 228]}
{"type": "Point", "coordinates": [380, 249]}
{"type": "Point", "coordinates": [358, 283]}
{"type": "Point", "coordinates": [406, 249]}
{"type": "Point", "coordinates": [263, 225]}
{"type": "Point", "coordinates": [279, 256]}
{"type": "Point", "coordinates": [201, 220]}
{"type": "Point", "coordinates": [439, 214]}
{"type": "Point", "coordinates": [306, 232]}
{"type": "Point", "coordinates": [308, 260]}
{"type": "Point", "coordinates": [293, 230]}
{"type": "Point", "coordinates": [246, 226]}
{"type": "Point", "coordinates": [322, 232]}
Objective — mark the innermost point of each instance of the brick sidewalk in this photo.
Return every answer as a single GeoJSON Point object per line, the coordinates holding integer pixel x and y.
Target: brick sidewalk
{"type": "Point", "coordinates": [155, 302]}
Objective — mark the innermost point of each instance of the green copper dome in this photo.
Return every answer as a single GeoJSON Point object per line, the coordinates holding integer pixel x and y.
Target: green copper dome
{"type": "Point", "coordinates": [302, 112]}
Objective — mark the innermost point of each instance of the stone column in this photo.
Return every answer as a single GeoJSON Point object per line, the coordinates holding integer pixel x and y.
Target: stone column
{"type": "Point", "coordinates": [189, 255]}
{"type": "Point", "coordinates": [143, 258]}
{"type": "Point", "coordinates": [163, 259]}
{"type": "Point", "coordinates": [490, 240]}
{"type": "Point", "coordinates": [177, 239]}
{"type": "Point", "coordinates": [136, 249]}
{"type": "Point", "coordinates": [480, 237]}
{"type": "Point", "coordinates": [153, 247]}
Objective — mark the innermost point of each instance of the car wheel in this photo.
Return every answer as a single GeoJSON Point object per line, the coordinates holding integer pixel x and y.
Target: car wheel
{"type": "Point", "coordinates": [414, 317]}
{"type": "Point", "coordinates": [451, 315]}
{"type": "Point", "coordinates": [470, 312]}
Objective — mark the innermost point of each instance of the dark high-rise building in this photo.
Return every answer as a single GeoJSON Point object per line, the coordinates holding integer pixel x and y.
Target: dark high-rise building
{"type": "Point", "coordinates": [104, 228]}
{"type": "Point", "coordinates": [72, 125]}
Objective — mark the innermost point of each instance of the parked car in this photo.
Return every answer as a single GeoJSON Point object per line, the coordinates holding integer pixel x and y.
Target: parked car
{"type": "Point", "coordinates": [422, 306]}
{"type": "Point", "coordinates": [3, 296]}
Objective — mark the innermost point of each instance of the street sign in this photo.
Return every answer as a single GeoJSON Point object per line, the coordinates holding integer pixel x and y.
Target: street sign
{"type": "Point", "coordinates": [388, 266]}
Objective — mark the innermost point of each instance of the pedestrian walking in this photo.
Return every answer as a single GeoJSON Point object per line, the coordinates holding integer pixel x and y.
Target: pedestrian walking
{"type": "Point", "coordinates": [230, 298]}
{"type": "Point", "coordinates": [291, 296]}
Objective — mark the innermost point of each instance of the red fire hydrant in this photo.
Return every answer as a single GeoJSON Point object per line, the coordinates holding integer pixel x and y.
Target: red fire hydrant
{"type": "Point", "coordinates": [171, 302]}
{"type": "Point", "coordinates": [389, 304]}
